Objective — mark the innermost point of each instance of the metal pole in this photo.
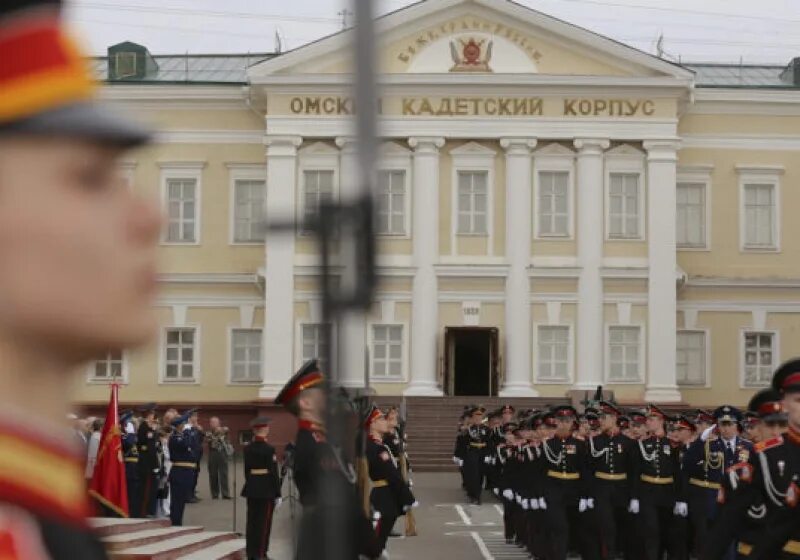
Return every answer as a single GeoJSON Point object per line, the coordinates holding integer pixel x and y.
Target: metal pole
{"type": "Point", "coordinates": [235, 493]}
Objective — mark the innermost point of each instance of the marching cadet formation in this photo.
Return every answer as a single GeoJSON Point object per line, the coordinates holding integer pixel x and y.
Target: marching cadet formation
{"type": "Point", "coordinates": [643, 485]}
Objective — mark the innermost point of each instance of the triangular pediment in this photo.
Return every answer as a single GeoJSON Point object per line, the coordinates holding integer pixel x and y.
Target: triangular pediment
{"type": "Point", "coordinates": [554, 149]}
{"type": "Point", "coordinates": [472, 149]}
{"type": "Point", "coordinates": [474, 36]}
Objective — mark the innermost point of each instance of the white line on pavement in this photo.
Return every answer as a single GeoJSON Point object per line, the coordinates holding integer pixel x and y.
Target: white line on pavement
{"type": "Point", "coordinates": [499, 509]}
{"type": "Point", "coordinates": [482, 546]}
{"type": "Point", "coordinates": [464, 517]}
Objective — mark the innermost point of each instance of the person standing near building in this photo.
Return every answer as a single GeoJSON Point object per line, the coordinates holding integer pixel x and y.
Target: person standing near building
{"type": "Point", "coordinates": [94, 446]}
{"type": "Point", "coordinates": [130, 455]}
{"type": "Point", "coordinates": [77, 254]}
{"type": "Point", "coordinates": [183, 453]}
{"type": "Point", "coordinates": [477, 440]}
{"type": "Point", "coordinates": [262, 488]}
{"type": "Point", "coordinates": [147, 439]}
{"type": "Point", "coordinates": [219, 450]}
{"type": "Point", "coordinates": [199, 436]}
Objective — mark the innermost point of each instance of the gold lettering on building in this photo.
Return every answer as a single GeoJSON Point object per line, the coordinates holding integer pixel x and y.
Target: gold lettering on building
{"type": "Point", "coordinates": [608, 107]}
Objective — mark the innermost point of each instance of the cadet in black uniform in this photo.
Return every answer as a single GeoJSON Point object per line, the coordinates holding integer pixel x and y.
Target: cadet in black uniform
{"type": "Point", "coordinates": [476, 439]}
{"type": "Point", "coordinates": [653, 490]}
{"type": "Point", "coordinates": [262, 488]}
{"type": "Point", "coordinates": [147, 442]}
{"type": "Point", "coordinates": [130, 454]}
{"type": "Point", "coordinates": [611, 465]}
{"type": "Point", "coordinates": [565, 491]}
{"type": "Point", "coordinates": [199, 436]}
{"type": "Point", "coordinates": [183, 454]}
{"type": "Point", "coordinates": [390, 495]}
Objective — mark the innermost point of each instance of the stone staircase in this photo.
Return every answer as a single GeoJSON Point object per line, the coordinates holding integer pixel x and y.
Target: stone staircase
{"type": "Point", "coordinates": [431, 424]}
{"type": "Point", "coordinates": [156, 539]}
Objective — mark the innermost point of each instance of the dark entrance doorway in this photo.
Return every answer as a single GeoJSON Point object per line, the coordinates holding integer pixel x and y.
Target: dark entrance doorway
{"type": "Point", "coordinates": [471, 361]}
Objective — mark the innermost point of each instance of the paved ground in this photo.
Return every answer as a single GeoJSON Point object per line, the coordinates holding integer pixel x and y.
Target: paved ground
{"type": "Point", "coordinates": [447, 527]}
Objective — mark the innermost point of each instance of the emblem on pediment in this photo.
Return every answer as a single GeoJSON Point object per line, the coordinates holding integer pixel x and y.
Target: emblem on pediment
{"type": "Point", "coordinates": [472, 56]}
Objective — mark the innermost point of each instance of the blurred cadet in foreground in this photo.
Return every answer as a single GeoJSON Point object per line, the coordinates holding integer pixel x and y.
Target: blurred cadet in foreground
{"type": "Point", "coordinates": [77, 253]}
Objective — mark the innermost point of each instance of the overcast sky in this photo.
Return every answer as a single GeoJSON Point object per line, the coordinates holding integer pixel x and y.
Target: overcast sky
{"type": "Point", "coordinates": [694, 30]}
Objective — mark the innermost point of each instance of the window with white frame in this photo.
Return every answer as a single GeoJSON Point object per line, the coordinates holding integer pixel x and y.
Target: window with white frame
{"type": "Point", "coordinates": [109, 367]}
{"type": "Point", "coordinates": [624, 354]}
{"type": "Point", "coordinates": [391, 202]}
{"type": "Point", "coordinates": [759, 358]}
{"type": "Point", "coordinates": [181, 210]}
{"type": "Point", "coordinates": [759, 215]}
{"type": "Point", "coordinates": [552, 363]}
{"type": "Point", "coordinates": [246, 355]}
{"type": "Point", "coordinates": [553, 203]}
{"type": "Point", "coordinates": [624, 206]}
{"type": "Point", "coordinates": [690, 228]}
{"type": "Point", "coordinates": [387, 351]}
{"type": "Point", "coordinates": [317, 190]}
{"type": "Point", "coordinates": [180, 354]}
{"type": "Point", "coordinates": [690, 362]}
{"type": "Point", "coordinates": [315, 340]}
{"type": "Point", "coordinates": [472, 202]}
{"type": "Point", "coordinates": [248, 210]}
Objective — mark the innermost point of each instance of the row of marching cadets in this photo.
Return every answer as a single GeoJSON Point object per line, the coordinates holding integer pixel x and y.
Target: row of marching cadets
{"type": "Point", "coordinates": [644, 485]}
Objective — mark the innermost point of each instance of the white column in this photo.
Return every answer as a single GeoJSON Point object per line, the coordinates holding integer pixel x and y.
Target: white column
{"type": "Point", "coordinates": [425, 241]}
{"type": "Point", "coordinates": [278, 362]}
{"type": "Point", "coordinates": [352, 325]}
{"type": "Point", "coordinates": [662, 289]}
{"type": "Point", "coordinates": [589, 197]}
{"type": "Point", "coordinates": [518, 374]}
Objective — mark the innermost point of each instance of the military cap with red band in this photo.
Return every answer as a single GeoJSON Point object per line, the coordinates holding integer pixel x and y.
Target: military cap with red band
{"type": "Point", "coordinates": [565, 411]}
{"type": "Point", "coordinates": [767, 405]}
{"type": "Point", "coordinates": [47, 89]}
{"type": "Point", "coordinates": [680, 422]}
{"type": "Point", "coordinates": [787, 377]}
{"type": "Point", "coordinates": [373, 414]}
{"type": "Point", "coordinates": [704, 416]}
{"type": "Point", "coordinates": [653, 410]}
{"type": "Point", "coordinates": [607, 408]}
{"type": "Point", "coordinates": [507, 409]}
{"type": "Point", "coordinates": [637, 417]}
{"type": "Point", "coordinates": [307, 377]}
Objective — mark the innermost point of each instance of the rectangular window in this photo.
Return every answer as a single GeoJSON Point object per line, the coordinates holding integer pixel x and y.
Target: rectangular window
{"type": "Point", "coordinates": [109, 367]}
{"type": "Point", "coordinates": [623, 206]}
{"type": "Point", "coordinates": [182, 210]}
{"type": "Point", "coordinates": [248, 210]}
{"type": "Point", "coordinates": [317, 190]}
{"type": "Point", "coordinates": [759, 358]}
{"type": "Point", "coordinates": [759, 216]}
{"type": "Point", "coordinates": [472, 202]}
{"type": "Point", "coordinates": [387, 351]}
{"type": "Point", "coordinates": [179, 354]}
{"type": "Point", "coordinates": [391, 203]}
{"type": "Point", "coordinates": [691, 215]}
{"type": "Point", "coordinates": [553, 354]}
{"type": "Point", "coordinates": [246, 355]}
{"type": "Point", "coordinates": [553, 203]}
{"type": "Point", "coordinates": [690, 361]}
{"type": "Point", "coordinates": [624, 354]}
{"type": "Point", "coordinates": [315, 344]}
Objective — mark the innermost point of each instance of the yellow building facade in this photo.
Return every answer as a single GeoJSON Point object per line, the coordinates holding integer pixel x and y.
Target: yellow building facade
{"type": "Point", "coordinates": [555, 211]}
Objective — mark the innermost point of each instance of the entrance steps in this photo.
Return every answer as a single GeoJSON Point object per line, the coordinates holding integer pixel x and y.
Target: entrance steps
{"type": "Point", "coordinates": [156, 539]}
{"type": "Point", "coordinates": [432, 423]}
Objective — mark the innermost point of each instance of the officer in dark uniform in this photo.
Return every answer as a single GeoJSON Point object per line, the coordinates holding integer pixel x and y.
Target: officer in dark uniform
{"type": "Point", "coordinates": [460, 449]}
{"type": "Point", "coordinates": [611, 457]}
{"type": "Point", "coordinates": [316, 460]}
{"type": "Point", "coordinates": [262, 488]}
{"type": "Point", "coordinates": [566, 492]}
{"type": "Point", "coordinates": [653, 487]}
{"type": "Point", "coordinates": [477, 440]}
{"type": "Point", "coordinates": [147, 441]}
{"type": "Point", "coordinates": [182, 452]}
{"type": "Point", "coordinates": [199, 435]}
{"type": "Point", "coordinates": [776, 475]}
{"type": "Point", "coordinates": [390, 495]}
{"type": "Point", "coordinates": [130, 455]}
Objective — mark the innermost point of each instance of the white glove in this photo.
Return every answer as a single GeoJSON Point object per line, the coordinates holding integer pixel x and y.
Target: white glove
{"type": "Point", "coordinates": [707, 432]}
{"type": "Point", "coordinates": [582, 505]}
{"type": "Point", "coordinates": [590, 503]}
{"type": "Point", "coordinates": [633, 507]}
{"type": "Point", "coordinates": [456, 460]}
{"type": "Point", "coordinates": [496, 491]}
{"type": "Point", "coordinates": [542, 504]}
{"type": "Point", "coordinates": [487, 460]}
{"type": "Point", "coordinates": [508, 494]}
{"type": "Point", "coordinates": [187, 427]}
{"type": "Point", "coordinates": [525, 504]}
{"type": "Point", "coordinates": [681, 509]}
{"type": "Point", "coordinates": [534, 504]}
{"type": "Point", "coordinates": [406, 509]}
{"type": "Point", "coordinates": [278, 502]}
{"type": "Point", "coordinates": [519, 499]}
{"type": "Point", "coordinates": [461, 462]}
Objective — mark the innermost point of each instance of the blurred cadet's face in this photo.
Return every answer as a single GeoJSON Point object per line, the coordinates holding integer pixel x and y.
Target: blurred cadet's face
{"type": "Point", "coordinates": [728, 430]}
{"type": "Point", "coordinates": [791, 405]}
{"type": "Point", "coordinates": [77, 249]}
{"type": "Point", "coordinates": [214, 422]}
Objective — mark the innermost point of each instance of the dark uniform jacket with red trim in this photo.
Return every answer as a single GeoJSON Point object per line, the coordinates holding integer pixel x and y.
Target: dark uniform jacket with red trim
{"type": "Point", "coordinates": [43, 504]}
{"type": "Point", "coordinates": [657, 461]}
{"type": "Point", "coordinates": [611, 459]}
{"type": "Point", "coordinates": [261, 475]}
{"type": "Point", "coordinates": [396, 494]}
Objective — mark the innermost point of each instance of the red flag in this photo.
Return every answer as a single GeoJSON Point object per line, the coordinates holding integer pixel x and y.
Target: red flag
{"type": "Point", "coordinates": [108, 485]}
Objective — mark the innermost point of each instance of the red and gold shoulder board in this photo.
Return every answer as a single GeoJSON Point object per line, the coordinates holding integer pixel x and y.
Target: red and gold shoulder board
{"type": "Point", "coordinates": [769, 444]}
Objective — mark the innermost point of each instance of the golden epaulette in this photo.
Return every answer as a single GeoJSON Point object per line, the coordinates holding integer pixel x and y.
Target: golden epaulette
{"type": "Point", "coordinates": [769, 444]}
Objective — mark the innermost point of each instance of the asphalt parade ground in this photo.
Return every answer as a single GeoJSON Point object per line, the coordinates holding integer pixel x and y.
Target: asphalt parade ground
{"type": "Point", "coordinates": [447, 527]}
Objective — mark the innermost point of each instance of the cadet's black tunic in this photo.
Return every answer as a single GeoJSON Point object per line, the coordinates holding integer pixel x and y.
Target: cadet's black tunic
{"type": "Point", "coordinates": [262, 486]}
{"type": "Point", "coordinates": [390, 494]}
